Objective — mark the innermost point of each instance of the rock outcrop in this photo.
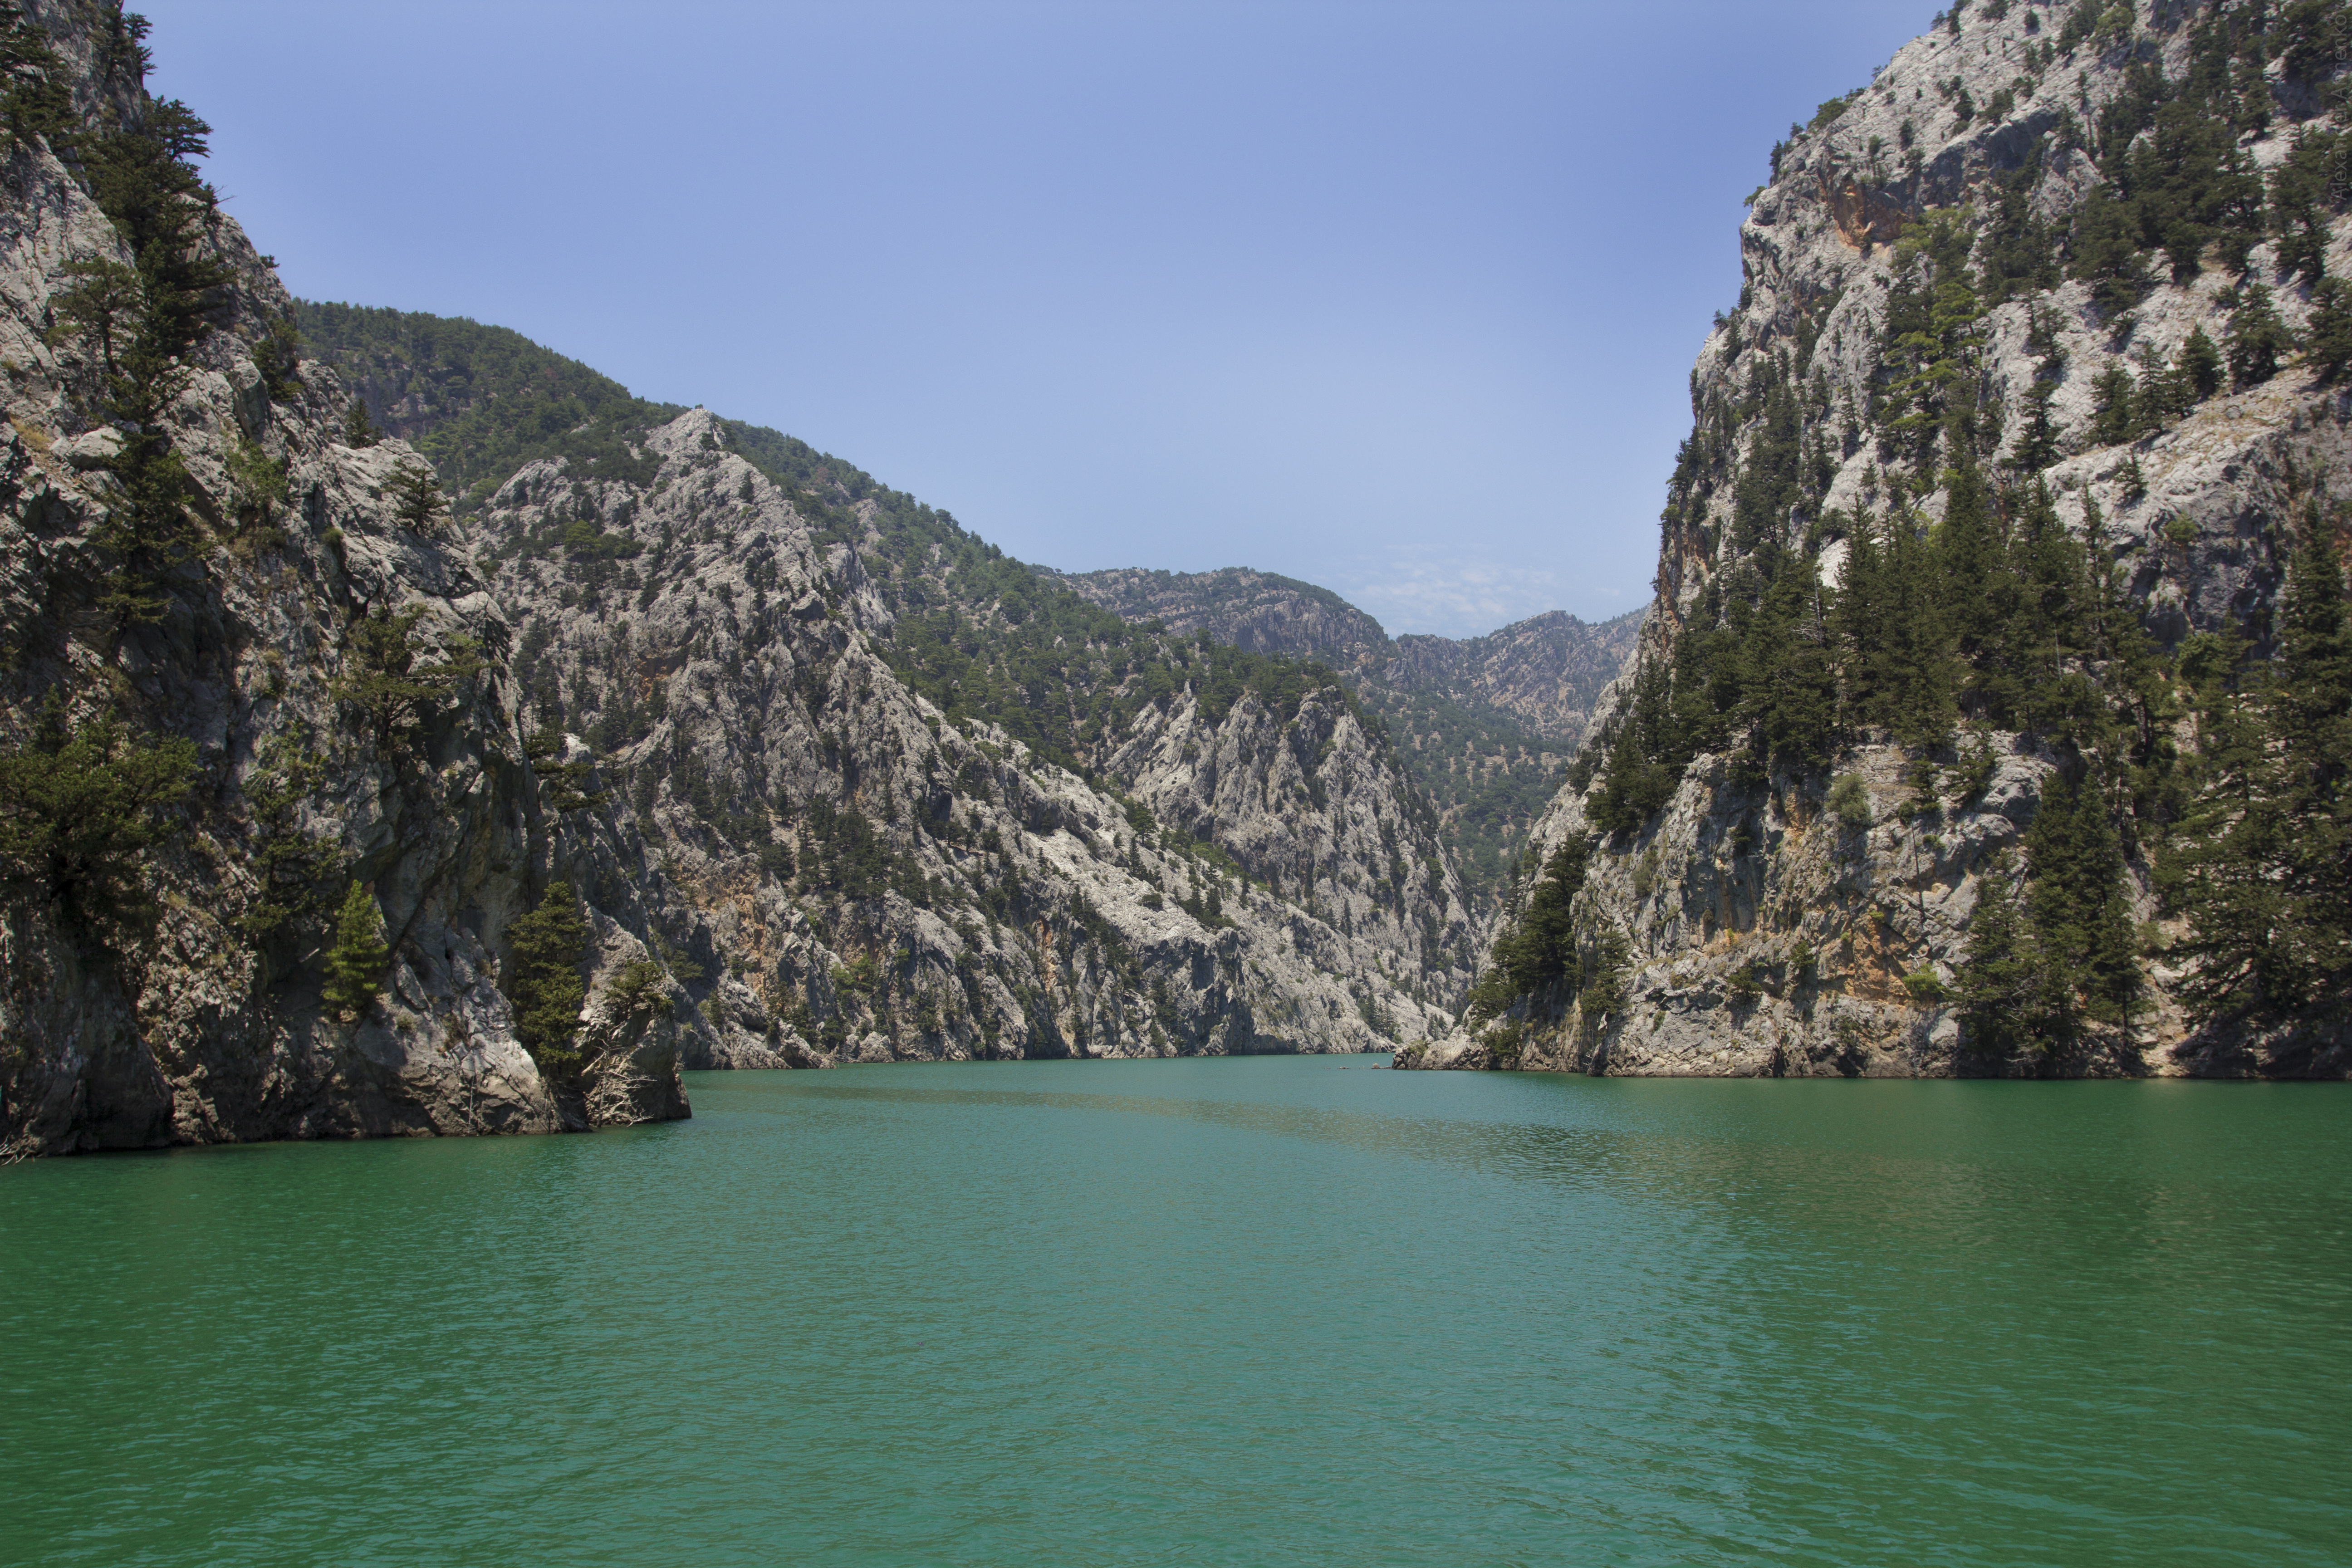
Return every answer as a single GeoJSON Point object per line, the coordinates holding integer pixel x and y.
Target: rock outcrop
{"type": "Point", "coordinates": [1761, 930]}
{"type": "Point", "coordinates": [197, 1015]}
{"type": "Point", "coordinates": [860, 877]}
{"type": "Point", "coordinates": [1484, 725]}
{"type": "Point", "coordinates": [1543, 674]}
{"type": "Point", "coordinates": [652, 662]}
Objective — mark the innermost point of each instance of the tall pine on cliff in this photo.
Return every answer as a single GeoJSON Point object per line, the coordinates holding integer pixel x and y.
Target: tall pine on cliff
{"type": "Point", "coordinates": [544, 981]}
{"type": "Point", "coordinates": [2266, 856]}
{"type": "Point", "coordinates": [358, 959]}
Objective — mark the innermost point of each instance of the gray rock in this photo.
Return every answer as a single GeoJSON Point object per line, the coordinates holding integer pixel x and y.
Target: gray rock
{"type": "Point", "coordinates": [1765, 938]}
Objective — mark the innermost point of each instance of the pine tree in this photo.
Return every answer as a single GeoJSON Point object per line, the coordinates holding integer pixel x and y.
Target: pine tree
{"type": "Point", "coordinates": [2037, 445]}
{"type": "Point", "coordinates": [2081, 921]}
{"type": "Point", "coordinates": [2201, 364]}
{"type": "Point", "coordinates": [80, 809]}
{"type": "Point", "coordinates": [2113, 420]}
{"type": "Point", "coordinates": [2264, 862]}
{"type": "Point", "coordinates": [103, 303]}
{"type": "Point", "coordinates": [2001, 992]}
{"type": "Point", "coordinates": [2314, 722]}
{"type": "Point", "coordinates": [358, 959]}
{"type": "Point", "coordinates": [2331, 328]}
{"type": "Point", "coordinates": [1969, 558]}
{"type": "Point", "coordinates": [1790, 679]}
{"type": "Point", "coordinates": [1857, 619]}
{"type": "Point", "coordinates": [1917, 669]}
{"type": "Point", "coordinates": [2106, 252]}
{"type": "Point", "coordinates": [2257, 339]}
{"type": "Point", "coordinates": [543, 979]}
{"type": "Point", "coordinates": [382, 675]}
{"type": "Point", "coordinates": [417, 500]}
{"type": "Point", "coordinates": [359, 430]}
{"type": "Point", "coordinates": [35, 100]}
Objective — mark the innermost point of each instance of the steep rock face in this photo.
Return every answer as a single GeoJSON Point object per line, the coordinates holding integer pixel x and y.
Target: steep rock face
{"type": "Point", "coordinates": [1543, 673]}
{"type": "Point", "coordinates": [201, 1021]}
{"type": "Point", "coordinates": [1483, 725]}
{"type": "Point", "coordinates": [859, 878]}
{"type": "Point", "coordinates": [1547, 671]}
{"type": "Point", "coordinates": [1760, 934]}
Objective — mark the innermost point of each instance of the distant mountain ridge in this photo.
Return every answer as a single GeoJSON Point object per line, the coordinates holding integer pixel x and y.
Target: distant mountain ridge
{"type": "Point", "coordinates": [1549, 670]}
{"type": "Point", "coordinates": [1485, 725]}
{"type": "Point", "coordinates": [1545, 672]}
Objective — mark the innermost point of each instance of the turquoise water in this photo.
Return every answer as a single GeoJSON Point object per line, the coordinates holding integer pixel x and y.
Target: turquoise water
{"type": "Point", "coordinates": [1230, 1311]}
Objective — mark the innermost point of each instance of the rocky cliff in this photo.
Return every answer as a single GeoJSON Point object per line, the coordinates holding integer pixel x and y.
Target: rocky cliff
{"type": "Point", "coordinates": [2012, 429]}
{"type": "Point", "coordinates": [1542, 674]}
{"type": "Point", "coordinates": [865, 873]}
{"type": "Point", "coordinates": [334, 803]}
{"type": "Point", "coordinates": [1483, 724]}
{"type": "Point", "coordinates": [194, 564]}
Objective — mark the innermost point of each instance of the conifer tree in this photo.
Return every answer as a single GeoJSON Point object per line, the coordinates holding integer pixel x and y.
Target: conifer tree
{"type": "Point", "coordinates": [417, 500]}
{"type": "Point", "coordinates": [1999, 986]}
{"type": "Point", "coordinates": [2113, 419]}
{"type": "Point", "coordinates": [357, 959]}
{"type": "Point", "coordinates": [382, 675]}
{"type": "Point", "coordinates": [1858, 618]}
{"type": "Point", "coordinates": [2331, 328]}
{"type": "Point", "coordinates": [2037, 445]}
{"type": "Point", "coordinates": [1916, 678]}
{"type": "Point", "coordinates": [35, 100]}
{"type": "Point", "coordinates": [103, 303]}
{"type": "Point", "coordinates": [79, 808]}
{"type": "Point", "coordinates": [2201, 364]}
{"type": "Point", "coordinates": [1969, 558]}
{"type": "Point", "coordinates": [543, 979]}
{"type": "Point", "coordinates": [2257, 338]}
{"type": "Point", "coordinates": [2265, 858]}
{"type": "Point", "coordinates": [2081, 921]}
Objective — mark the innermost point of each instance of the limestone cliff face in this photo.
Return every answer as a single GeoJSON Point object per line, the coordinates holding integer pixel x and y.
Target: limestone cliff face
{"type": "Point", "coordinates": [1547, 671]}
{"type": "Point", "coordinates": [1764, 934]}
{"type": "Point", "coordinates": [206, 1024]}
{"type": "Point", "coordinates": [1544, 673]}
{"type": "Point", "coordinates": [1484, 725]}
{"type": "Point", "coordinates": [859, 878]}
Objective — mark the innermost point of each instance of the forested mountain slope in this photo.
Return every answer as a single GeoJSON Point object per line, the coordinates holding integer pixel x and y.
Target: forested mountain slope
{"type": "Point", "coordinates": [1993, 714]}
{"type": "Point", "coordinates": [1485, 724]}
{"type": "Point", "coordinates": [332, 805]}
{"type": "Point", "coordinates": [1326, 866]}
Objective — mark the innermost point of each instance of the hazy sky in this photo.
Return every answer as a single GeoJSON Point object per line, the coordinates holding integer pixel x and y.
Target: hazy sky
{"type": "Point", "coordinates": [1398, 299]}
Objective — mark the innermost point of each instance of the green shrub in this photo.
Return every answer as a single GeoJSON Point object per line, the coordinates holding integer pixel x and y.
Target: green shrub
{"type": "Point", "coordinates": [1505, 1042]}
{"type": "Point", "coordinates": [1850, 801]}
{"type": "Point", "coordinates": [1926, 987]}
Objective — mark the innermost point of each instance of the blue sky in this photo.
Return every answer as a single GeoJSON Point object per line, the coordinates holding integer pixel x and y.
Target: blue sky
{"type": "Point", "coordinates": [1401, 300]}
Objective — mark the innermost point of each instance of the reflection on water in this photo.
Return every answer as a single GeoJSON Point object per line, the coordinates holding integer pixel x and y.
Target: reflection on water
{"type": "Point", "coordinates": [1262, 1310]}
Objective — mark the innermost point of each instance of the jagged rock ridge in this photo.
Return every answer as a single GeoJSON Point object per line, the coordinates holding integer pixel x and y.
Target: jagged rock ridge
{"type": "Point", "coordinates": [876, 878]}
{"type": "Point", "coordinates": [1485, 724]}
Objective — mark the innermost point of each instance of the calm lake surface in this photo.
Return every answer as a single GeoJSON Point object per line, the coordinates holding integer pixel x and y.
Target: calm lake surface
{"type": "Point", "coordinates": [1246, 1311]}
